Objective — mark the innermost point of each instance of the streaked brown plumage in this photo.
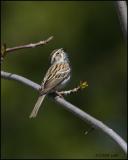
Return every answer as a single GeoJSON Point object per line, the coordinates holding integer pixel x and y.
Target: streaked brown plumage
{"type": "Point", "coordinates": [55, 78]}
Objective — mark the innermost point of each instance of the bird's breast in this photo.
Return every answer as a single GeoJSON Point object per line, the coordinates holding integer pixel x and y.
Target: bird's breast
{"type": "Point", "coordinates": [63, 83]}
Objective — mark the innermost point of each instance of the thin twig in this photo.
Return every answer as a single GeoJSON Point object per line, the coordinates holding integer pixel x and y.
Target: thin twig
{"type": "Point", "coordinates": [73, 109]}
{"type": "Point", "coordinates": [31, 45]}
{"type": "Point", "coordinates": [4, 50]}
{"type": "Point", "coordinates": [81, 86]}
{"type": "Point", "coordinates": [89, 130]}
{"type": "Point", "coordinates": [121, 7]}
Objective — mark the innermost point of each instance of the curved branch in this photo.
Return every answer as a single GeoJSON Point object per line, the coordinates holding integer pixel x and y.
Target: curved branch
{"type": "Point", "coordinates": [73, 109]}
{"type": "Point", "coordinates": [6, 75]}
{"type": "Point", "coordinates": [121, 7]}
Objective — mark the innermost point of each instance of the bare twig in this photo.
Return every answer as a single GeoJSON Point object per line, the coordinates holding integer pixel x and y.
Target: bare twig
{"type": "Point", "coordinates": [81, 86]}
{"type": "Point", "coordinates": [73, 109]}
{"type": "Point", "coordinates": [31, 45]}
{"type": "Point", "coordinates": [89, 130]}
{"type": "Point", "coordinates": [5, 50]}
{"type": "Point", "coordinates": [121, 7]}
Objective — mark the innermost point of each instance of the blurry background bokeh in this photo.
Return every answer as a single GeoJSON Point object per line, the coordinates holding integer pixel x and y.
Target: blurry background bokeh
{"type": "Point", "coordinates": [91, 34]}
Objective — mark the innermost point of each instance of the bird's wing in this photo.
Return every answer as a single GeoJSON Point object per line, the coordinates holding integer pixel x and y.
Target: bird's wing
{"type": "Point", "coordinates": [54, 76]}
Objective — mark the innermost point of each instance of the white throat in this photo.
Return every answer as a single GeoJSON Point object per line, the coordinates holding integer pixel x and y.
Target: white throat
{"type": "Point", "coordinates": [60, 61]}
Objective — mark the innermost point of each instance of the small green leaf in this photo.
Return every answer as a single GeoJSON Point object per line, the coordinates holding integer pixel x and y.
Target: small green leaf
{"type": "Point", "coordinates": [83, 84]}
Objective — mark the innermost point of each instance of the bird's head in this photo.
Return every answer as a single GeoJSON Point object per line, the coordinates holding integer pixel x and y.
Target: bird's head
{"type": "Point", "coordinates": [58, 56]}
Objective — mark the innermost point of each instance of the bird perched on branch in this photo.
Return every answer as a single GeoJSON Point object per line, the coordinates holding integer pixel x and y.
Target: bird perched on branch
{"type": "Point", "coordinates": [55, 78]}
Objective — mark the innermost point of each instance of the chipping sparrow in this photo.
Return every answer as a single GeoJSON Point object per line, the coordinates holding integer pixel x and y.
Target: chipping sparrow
{"type": "Point", "coordinates": [56, 77]}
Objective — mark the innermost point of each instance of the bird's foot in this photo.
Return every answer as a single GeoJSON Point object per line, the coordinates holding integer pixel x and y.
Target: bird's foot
{"type": "Point", "coordinates": [59, 94]}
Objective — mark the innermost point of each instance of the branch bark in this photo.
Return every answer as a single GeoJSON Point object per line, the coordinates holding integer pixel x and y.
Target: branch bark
{"type": "Point", "coordinates": [73, 109]}
{"type": "Point", "coordinates": [121, 7]}
{"type": "Point", "coordinates": [31, 45]}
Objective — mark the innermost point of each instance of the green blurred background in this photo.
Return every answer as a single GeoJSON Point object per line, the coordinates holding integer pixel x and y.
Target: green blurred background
{"type": "Point", "coordinates": [91, 34]}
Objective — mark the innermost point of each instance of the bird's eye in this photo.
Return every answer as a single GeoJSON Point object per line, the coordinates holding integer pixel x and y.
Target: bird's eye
{"type": "Point", "coordinates": [57, 53]}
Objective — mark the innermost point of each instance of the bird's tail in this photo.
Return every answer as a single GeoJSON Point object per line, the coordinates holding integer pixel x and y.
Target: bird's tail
{"type": "Point", "coordinates": [37, 106]}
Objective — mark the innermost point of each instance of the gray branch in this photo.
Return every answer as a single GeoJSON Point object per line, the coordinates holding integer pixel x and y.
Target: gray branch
{"type": "Point", "coordinates": [121, 7]}
{"type": "Point", "coordinates": [6, 75]}
{"type": "Point", "coordinates": [31, 45]}
{"type": "Point", "coordinates": [73, 109]}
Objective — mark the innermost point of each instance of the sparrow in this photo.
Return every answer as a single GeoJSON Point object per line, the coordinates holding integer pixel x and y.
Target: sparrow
{"type": "Point", "coordinates": [55, 78]}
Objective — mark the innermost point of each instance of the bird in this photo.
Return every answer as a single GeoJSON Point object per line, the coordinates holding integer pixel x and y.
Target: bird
{"type": "Point", "coordinates": [56, 77]}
